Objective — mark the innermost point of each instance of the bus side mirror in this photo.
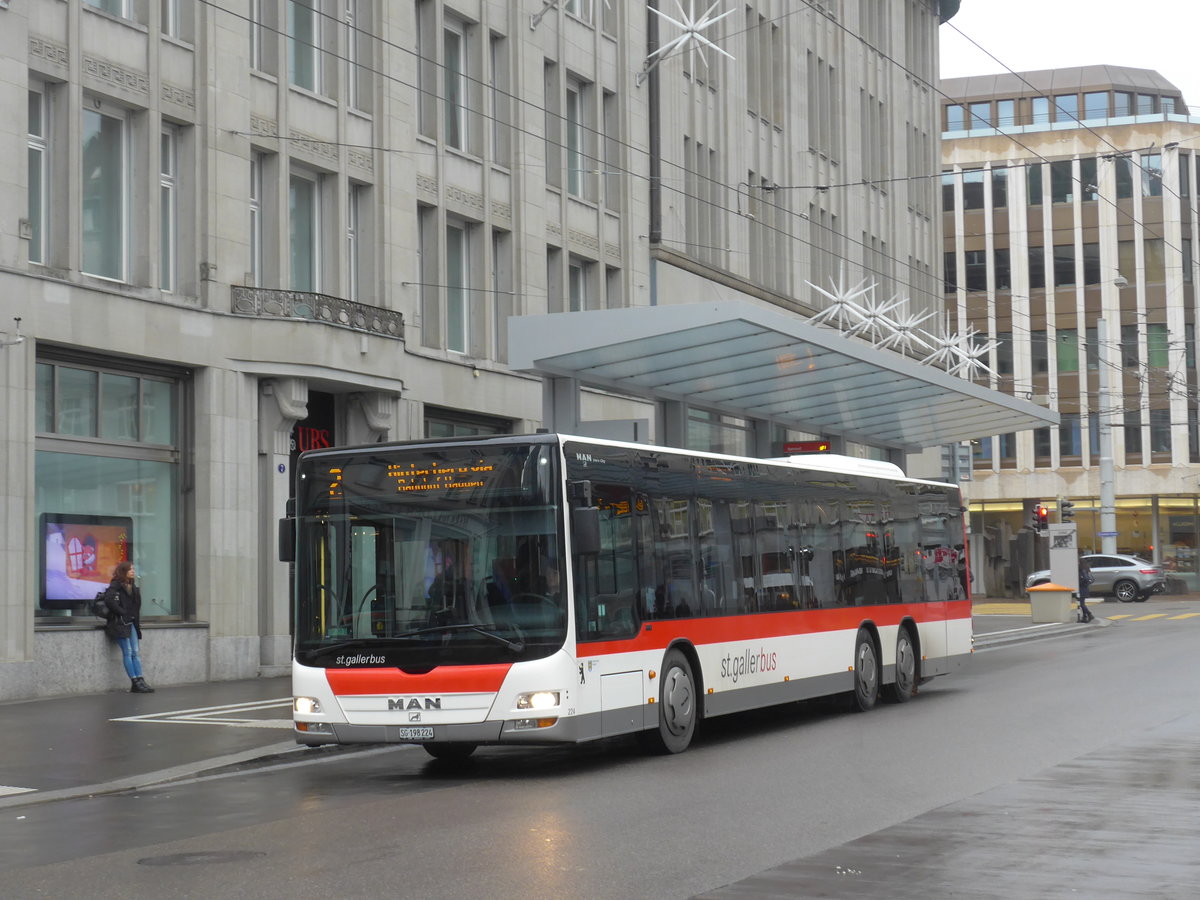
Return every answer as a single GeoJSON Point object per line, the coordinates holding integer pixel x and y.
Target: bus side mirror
{"type": "Point", "coordinates": [287, 540]}
{"type": "Point", "coordinates": [287, 532]}
{"type": "Point", "coordinates": [585, 529]}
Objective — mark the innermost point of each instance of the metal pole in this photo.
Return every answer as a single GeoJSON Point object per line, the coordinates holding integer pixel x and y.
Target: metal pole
{"type": "Point", "coordinates": [1108, 498]}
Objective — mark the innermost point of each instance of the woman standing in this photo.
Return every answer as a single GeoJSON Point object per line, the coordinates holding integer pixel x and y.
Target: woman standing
{"type": "Point", "coordinates": [125, 623]}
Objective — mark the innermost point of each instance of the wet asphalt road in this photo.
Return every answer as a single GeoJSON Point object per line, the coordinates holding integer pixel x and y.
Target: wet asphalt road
{"type": "Point", "coordinates": [1065, 767]}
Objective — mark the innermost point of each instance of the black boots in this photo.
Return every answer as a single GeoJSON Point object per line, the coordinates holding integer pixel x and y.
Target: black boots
{"type": "Point", "coordinates": [139, 686]}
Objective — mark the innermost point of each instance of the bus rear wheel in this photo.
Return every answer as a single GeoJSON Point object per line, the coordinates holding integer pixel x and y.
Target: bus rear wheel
{"type": "Point", "coordinates": [453, 752]}
{"type": "Point", "coordinates": [866, 671]}
{"type": "Point", "coordinates": [677, 708]}
{"type": "Point", "coordinates": [901, 690]}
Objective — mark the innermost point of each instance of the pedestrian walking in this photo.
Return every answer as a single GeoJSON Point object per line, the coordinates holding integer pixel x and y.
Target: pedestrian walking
{"type": "Point", "coordinates": [1085, 579]}
{"type": "Point", "coordinates": [124, 624]}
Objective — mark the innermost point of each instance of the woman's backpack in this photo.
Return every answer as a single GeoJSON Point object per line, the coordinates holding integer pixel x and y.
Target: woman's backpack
{"type": "Point", "coordinates": [99, 605]}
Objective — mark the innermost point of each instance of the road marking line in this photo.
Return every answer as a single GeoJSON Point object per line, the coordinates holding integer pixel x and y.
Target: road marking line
{"type": "Point", "coordinates": [5, 790]}
{"type": "Point", "coordinates": [1151, 616]}
{"type": "Point", "coordinates": [1120, 616]}
{"type": "Point", "coordinates": [219, 715]}
{"type": "Point", "coordinates": [1185, 616]}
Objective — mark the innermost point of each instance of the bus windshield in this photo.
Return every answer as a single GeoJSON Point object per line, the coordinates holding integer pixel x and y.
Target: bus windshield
{"type": "Point", "coordinates": [433, 555]}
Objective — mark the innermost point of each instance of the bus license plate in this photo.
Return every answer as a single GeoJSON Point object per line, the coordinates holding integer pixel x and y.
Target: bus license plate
{"type": "Point", "coordinates": [416, 734]}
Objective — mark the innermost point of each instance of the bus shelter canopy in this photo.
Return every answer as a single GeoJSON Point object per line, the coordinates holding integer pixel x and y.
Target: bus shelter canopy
{"type": "Point", "coordinates": [754, 362]}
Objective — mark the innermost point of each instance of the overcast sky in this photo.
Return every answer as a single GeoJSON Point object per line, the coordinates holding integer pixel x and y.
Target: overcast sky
{"type": "Point", "coordinates": [1025, 35]}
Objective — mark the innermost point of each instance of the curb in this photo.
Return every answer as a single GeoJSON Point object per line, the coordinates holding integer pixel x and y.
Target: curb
{"type": "Point", "coordinates": [1028, 633]}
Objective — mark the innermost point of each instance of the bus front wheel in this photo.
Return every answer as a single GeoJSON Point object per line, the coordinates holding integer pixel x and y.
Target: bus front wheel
{"type": "Point", "coordinates": [866, 671]}
{"type": "Point", "coordinates": [677, 707]}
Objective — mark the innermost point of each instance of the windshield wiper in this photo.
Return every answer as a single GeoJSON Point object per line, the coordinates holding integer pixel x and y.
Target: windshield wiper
{"type": "Point", "coordinates": [342, 645]}
{"type": "Point", "coordinates": [515, 646]}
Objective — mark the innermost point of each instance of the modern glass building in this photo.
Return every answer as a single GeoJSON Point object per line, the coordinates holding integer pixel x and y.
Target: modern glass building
{"type": "Point", "coordinates": [1070, 214]}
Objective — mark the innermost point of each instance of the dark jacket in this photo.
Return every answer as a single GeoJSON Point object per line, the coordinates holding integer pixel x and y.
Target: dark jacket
{"type": "Point", "coordinates": [125, 610]}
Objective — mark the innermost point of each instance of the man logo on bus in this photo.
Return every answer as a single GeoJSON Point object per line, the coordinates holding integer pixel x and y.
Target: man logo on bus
{"type": "Point", "coordinates": [415, 703]}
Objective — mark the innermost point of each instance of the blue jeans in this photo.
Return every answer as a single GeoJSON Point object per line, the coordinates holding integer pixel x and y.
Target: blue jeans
{"type": "Point", "coordinates": [129, 654]}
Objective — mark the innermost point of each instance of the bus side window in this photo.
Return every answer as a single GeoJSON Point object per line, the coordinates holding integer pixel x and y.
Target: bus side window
{"type": "Point", "coordinates": [606, 583]}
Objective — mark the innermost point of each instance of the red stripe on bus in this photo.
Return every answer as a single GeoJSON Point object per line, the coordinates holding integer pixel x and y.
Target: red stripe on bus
{"type": "Point", "coordinates": [760, 626]}
{"type": "Point", "coordinates": [442, 680]}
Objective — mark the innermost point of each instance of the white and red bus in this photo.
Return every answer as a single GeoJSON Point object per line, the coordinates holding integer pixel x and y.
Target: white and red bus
{"type": "Point", "coordinates": [546, 588]}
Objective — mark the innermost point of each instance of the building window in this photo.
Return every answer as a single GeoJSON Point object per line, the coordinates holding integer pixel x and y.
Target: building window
{"type": "Point", "coordinates": [304, 211]}
{"type": "Point", "coordinates": [1089, 186]}
{"type": "Point", "coordinates": [501, 106]}
{"type": "Point", "coordinates": [1091, 263]}
{"type": "Point", "coordinates": [1039, 351]}
{"type": "Point", "coordinates": [1152, 174]}
{"type": "Point", "coordinates": [1066, 349]}
{"type": "Point", "coordinates": [1160, 431]}
{"type": "Point", "coordinates": [714, 432]}
{"type": "Point", "coordinates": [1124, 174]}
{"type": "Point", "coordinates": [1157, 346]}
{"type": "Point", "coordinates": [1146, 105]}
{"type": "Point", "coordinates": [976, 270]}
{"type": "Point", "coordinates": [105, 180]}
{"type": "Point", "coordinates": [502, 289]}
{"type": "Point", "coordinates": [446, 423]}
{"type": "Point", "coordinates": [972, 188]}
{"type": "Point", "coordinates": [949, 272]}
{"type": "Point", "coordinates": [1006, 112]}
{"type": "Point", "coordinates": [612, 150]}
{"type": "Point", "coordinates": [579, 286]}
{"type": "Point", "coordinates": [1095, 105]}
{"type": "Point", "coordinates": [1064, 265]}
{"type": "Point", "coordinates": [1033, 177]}
{"type": "Point", "coordinates": [1041, 110]}
{"type": "Point", "coordinates": [1130, 358]}
{"type": "Point", "coordinates": [1041, 446]}
{"type": "Point", "coordinates": [576, 163]}
{"type": "Point", "coordinates": [454, 86]}
{"type": "Point", "coordinates": [256, 220]}
{"type": "Point", "coordinates": [458, 284]}
{"type": "Point", "coordinates": [168, 208]}
{"type": "Point", "coordinates": [948, 179]}
{"type": "Point", "coordinates": [1002, 269]}
{"type": "Point", "coordinates": [112, 7]}
{"type": "Point", "coordinates": [304, 44]}
{"type": "Point", "coordinates": [1062, 182]}
{"type": "Point", "coordinates": [1004, 353]}
{"type": "Point", "coordinates": [355, 203]}
{"type": "Point", "coordinates": [1066, 108]}
{"type": "Point", "coordinates": [1122, 103]}
{"type": "Point", "coordinates": [39, 181]}
{"type": "Point", "coordinates": [1155, 263]}
{"type": "Point", "coordinates": [1127, 261]}
{"type": "Point", "coordinates": [1070, 441]}
{"type": "Point", "coordinates": [955, 117]}
{"type": "Point", "coordinates": [1037, 267]}
{"type": "Point", "coordinates": [106, 470]}
{"type": "Point", "coordinates": [580, 9]}
{"type": "Point", "coordinates": [999, 187]}
{"type": "Point", "coordinates": [981, 114]}
{"type": "Point", "coordinates": [1133, 434]}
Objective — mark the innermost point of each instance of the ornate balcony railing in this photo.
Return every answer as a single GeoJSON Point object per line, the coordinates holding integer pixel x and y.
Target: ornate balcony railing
{"type": "Point", "coordinates": [271, 303]}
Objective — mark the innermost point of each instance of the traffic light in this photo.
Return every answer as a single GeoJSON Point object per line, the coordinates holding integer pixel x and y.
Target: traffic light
{"type": "Point", "coordinates": [1041, 518]}
{"type": "Point", "coordinates": [1066, 511]}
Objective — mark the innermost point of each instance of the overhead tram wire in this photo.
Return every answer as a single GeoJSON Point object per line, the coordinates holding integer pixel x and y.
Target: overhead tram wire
{"type": "Point", "coordinates": [845, 239]}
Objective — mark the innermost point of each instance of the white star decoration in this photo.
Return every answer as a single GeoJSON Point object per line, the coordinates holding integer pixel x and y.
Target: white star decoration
{"type": "Point", "coordinates": [856, 312]}
{"type": "Point", "coordinates": [691, 36]}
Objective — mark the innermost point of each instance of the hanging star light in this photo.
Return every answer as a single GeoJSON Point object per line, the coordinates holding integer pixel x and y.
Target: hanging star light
{"type": "Point", "coordinates": [905, 335]}
{"type": "Point", "coordinates": [876, 322]}
{"type": "Point", "coordinates": [691, 36]}
{"type": "Point", "coordinates": [844, 311]}
{"type": "Point", "coordinates": [971, 353]}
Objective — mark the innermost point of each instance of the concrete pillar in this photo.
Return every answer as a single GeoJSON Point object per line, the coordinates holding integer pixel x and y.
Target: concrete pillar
{"type": "Point", "coordinates": [560, 405]}
{"type": "Point", "coordinates": [282, 403]}
{"type": "Point", "coordinates": [673, 423]}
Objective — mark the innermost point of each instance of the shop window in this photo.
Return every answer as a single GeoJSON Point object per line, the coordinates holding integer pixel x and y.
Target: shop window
{"type": "Point", "coordinates": [106, 471]}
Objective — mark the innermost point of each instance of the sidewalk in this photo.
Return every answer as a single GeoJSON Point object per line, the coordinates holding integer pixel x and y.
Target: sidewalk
{"type": "Point", "coordinates": [67, 747]}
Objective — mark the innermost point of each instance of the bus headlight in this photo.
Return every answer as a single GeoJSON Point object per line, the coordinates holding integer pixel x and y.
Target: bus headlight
{"type": "Point", "coordinates": [306, 705]}
{"type": "Point", "coordinates": [537, 700]}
